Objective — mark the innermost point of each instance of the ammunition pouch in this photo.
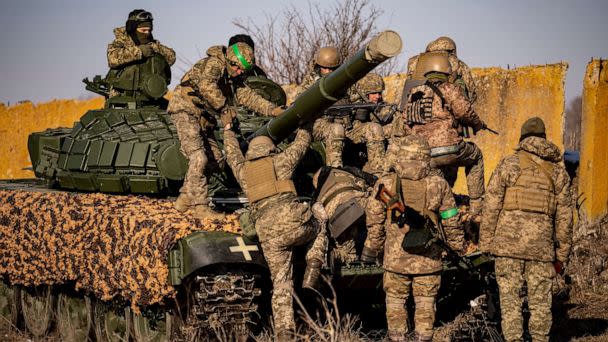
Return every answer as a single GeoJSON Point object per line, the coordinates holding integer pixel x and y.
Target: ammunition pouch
{"type": "Point", "coordinates": [418, 240]}
{"type": "Point", "coordinates": [345, 216]}
{"type": "Point", "coordinates": [247, 224]}
{"type": "Point", "coordinates": [533, 190]}
{"type": "Point", "coordinates": [419, 109]}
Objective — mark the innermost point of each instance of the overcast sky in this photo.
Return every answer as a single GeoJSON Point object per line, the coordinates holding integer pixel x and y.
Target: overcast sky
{"type": "Point", "coordinates": [48, 46]}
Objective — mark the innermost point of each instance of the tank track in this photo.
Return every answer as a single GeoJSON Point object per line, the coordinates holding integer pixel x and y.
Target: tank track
{"type": "Point", "coordinates": [223, 307]}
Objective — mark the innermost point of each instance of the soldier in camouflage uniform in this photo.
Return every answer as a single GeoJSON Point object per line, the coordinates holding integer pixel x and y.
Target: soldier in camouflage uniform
{"type": "Point", "coordinates": [430, 198]}
{"type": "Point", "coordinates": [344, 193]}
{"type": "Point", "coordinates": [527, 225]}
{"type": "Point", "coordinates": [332, 134]}
{"type": "Point", "coordinates": [434, 109]}
{"type": "Point", "coordinates": [281, 221]}
{"type": "Point", "coordinates": [245, 38]}
{"type": "Point", "coordinates": [134, 42]}
{"type": "Point", "coordinates": [203, 92]}
{"type": "Point", "coordinates": [461, 73]}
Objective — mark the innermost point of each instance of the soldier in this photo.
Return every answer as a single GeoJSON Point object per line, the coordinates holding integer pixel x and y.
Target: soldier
{"type": "Point", "coordinates": [204, 91]}
{"type": "Point", "coordinates": [245, 38]}
{"type": "Point", "coordinates": [434, 108]}
{"type": "Point", "coordinates": [427, 199]}
{"type": "Point", "coordinates": [369, 130]}
{"type": "Point", "coordinates": [527, 225]}
{"type": "Point", "coordinates": [461, 73]}
{"type": "Point", "coordinates": [280, 220]}
{"type": "Point", "coordinates": [344, 193]}
{"type": "Point", "coordinates": [135, 42]}
{"type": "Point", "coordinates": [331, 133]}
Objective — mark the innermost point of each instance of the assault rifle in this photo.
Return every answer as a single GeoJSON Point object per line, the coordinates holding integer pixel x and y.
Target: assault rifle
{"type": "Point", "coordinates": [361, 111]}
{"type": "Point", "coordinates": [425, 231]}
{"type": "Point", "coordinates": [465, 133]}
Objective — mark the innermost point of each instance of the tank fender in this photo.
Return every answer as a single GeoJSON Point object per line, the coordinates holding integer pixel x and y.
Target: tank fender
{"type": "Point", "coordinates": [202, 249]}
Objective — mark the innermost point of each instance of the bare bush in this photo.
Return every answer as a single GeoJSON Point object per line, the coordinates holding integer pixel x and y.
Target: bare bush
{"type": "Point", "coordinates": [287, 42]}
{"type": "Point", "coordinates": [572, 131]}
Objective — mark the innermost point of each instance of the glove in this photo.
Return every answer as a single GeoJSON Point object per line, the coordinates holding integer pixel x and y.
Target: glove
{"type": "Point", "coordinates": [559, 267]}
{"type": "Point", "coordinates": [277, 111]}
{"type": "Point", "coordinates": [146, 50]}
{"type": "Point", "coordinates": [228, 115]}
{"type": "Point", "coordinates": [481, 126]}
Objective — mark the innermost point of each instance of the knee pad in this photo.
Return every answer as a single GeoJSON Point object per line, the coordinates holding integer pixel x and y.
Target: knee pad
{"type": "Point", "coordinates": [337, 132]}
{"type": "Point", "coordinates": [374, 132]}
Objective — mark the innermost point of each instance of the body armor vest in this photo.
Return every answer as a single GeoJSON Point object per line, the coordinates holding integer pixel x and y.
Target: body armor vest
{"type": "Point", "coordinates": [419, 107]}
{"type": "Point", "coordinates": [262, 181]}
{"type": "Point", "coordinates": [335, 184]}
{"type": "Point", "coordinates": [534, 189]}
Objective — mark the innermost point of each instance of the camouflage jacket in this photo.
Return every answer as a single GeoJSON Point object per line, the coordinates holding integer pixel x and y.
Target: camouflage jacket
{"type": "Point", "coordinates": [124, 51]}
{"type": "Point", "coordinates": [383, 232]}
{"type": "Point", "coordinates": [281, 213]}
{"type": "Point", "coordinates": [207, 86]}
{"type": "Point", "coordinates": [524, 234]}
{"type": "Point", "coordinates": [461, 75]}
{"type": "Point", "coordinates": [442, 128]}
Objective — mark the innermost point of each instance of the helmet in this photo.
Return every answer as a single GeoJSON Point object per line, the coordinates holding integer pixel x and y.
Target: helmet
{"type": "Point", "coordinates": [414, 147]}
{"type": "Point", "coordinates": [140, 15]}
{"type": "Point", "coordinates": [442, 44]}
{"type": "Point", "coordinates": [433, 62]}
{"type": "Point", "coordinates": [533, 127]}
{"type": "Point", "coordinates": [371, 83]}
{"type": "Point", "coordinates": [241, 54]}
{"type": "Point", "coordinates": [328, 57]}
{"type": "Point", "coordinates": [259, 147]}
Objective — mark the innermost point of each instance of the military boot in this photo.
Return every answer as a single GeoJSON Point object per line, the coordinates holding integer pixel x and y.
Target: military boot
{"type": "Point", "coordinates": [396, 336]}
{"type": "Point", "coordinates": [369, 255]}
{"type": "Point", "coordinates": [183, 202]}
{"type": "Point", "coordinates": [203, 211]}
{"type": "Point", "coordinates": [416, 337]}
{"type": "Point", "coordinates": [312, 274]}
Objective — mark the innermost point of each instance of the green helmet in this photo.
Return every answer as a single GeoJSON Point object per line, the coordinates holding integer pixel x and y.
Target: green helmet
{"type": "Point", "coordinates": [433, 62]}
{"type": "Point", "coordinates": [328, 57]}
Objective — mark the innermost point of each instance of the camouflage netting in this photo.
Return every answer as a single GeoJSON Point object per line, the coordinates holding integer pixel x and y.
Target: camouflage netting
{"type": "Point", "coordinates": [107, 245]}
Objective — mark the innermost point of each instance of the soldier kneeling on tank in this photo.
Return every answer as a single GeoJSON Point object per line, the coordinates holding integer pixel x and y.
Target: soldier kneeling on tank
{"type": "Point", "coordinates": [409, 211]}
{"type": "Point", "coordinates": [281, 221]}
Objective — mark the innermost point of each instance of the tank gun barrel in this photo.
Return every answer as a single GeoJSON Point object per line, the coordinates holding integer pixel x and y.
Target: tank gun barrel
{"type": "Point", "coordinates": [329, 89]}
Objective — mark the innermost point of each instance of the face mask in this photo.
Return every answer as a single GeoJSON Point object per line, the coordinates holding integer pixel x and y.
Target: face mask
{"type": "Point", "coordinates": [144, 38]}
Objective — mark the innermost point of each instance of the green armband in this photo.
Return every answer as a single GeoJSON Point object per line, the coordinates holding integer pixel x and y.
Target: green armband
{"type": "Point", "coordinates": [446, 214]}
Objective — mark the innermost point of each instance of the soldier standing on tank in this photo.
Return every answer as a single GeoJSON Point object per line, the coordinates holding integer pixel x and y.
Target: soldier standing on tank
{"type": "Point", "coordinates": [408, 179]}
{"type": "Point", "coordinates": [281, 221]}
{"type": "Point", "coordinates": [527, 226]}
{"type": "Point", "coordinates": [461, 73]}
{"type": "Point", "coordinates": [434, 109]}
{"type": "Point", "coordinates": [203, 92]}
{"type": "Point", "coordinates": [135, 42]}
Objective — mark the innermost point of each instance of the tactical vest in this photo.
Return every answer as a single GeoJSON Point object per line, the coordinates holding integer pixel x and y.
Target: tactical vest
{"type": "Point", "coordinates": [419, 108]}
{"type": "Point", "coordinates": [534, 189]}
{"type": "Point", "coordinates": [335, 184]}
{"type": "Point", "coordinates": [262, 181]}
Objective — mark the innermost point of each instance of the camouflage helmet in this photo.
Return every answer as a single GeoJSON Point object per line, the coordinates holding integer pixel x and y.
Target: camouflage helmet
{"type": "Point", "coordinates": [328, 57]}
{"type": "Point", "coordinates": [241, 54]}
{"type": "Point", "coordinates": [414, 147]}
{"type": "Point", "coordinates": [433, 62]}
{"type": "Point", "coordinates": [446, 44]}
{"type": "Point", "coordinates": [370, 84]}
{"type": "Point", "coordinates": [410, 156]}
{"type": "Point", "coordinates": [259, 147]}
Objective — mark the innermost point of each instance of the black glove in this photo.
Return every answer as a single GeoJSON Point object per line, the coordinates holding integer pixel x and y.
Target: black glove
{"type": "Point", "coordinates": [481, 126]}
{"type": "Point", "coordinates": [146, 50]}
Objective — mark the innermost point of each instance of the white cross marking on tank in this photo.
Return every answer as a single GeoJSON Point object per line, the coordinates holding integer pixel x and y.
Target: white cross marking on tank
{"type": "Point", "coordinates": [243, 248]}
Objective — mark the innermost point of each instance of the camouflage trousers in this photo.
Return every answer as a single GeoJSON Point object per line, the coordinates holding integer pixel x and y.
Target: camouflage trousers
{"type": "Point", "coordinates": [372, 134]}
{"type": "Point", "coordinates": [511, 275]}
{"type": "Point", "coordinates": [202, 151]}
{"type": "Point", "coordinates": [471, 158]}
{"type": "Point", "coordinates": [332, 134]}
{"type": "Point", "coordinates": [278, 253]}
{"type": "Point", "coordinates": [397, 288]}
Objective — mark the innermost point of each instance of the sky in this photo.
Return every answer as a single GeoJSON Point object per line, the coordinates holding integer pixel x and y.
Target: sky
{"type": "Point", "coordinates": [49, 46]}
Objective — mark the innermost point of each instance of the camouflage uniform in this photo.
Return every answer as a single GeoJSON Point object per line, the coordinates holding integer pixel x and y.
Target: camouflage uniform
{"type": "Point", "coordinates": [448, 112]}
{"type": "Point", "coordinates": [281, 221]}
{"type": "Point", "coordinates": [123, 50]}
{"type": "Point", "coordinates": [405, 272]}
{"type": "Point", "coordinates": [338, 188]}
{"type": "Point", "coordinates": [204, 91]}
{"type": "Point", "coordinates": [527, 225]}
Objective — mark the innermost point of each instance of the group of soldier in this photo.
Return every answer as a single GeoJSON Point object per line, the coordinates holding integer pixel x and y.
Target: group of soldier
{"type": "Point", "coordinates": [524, 215]}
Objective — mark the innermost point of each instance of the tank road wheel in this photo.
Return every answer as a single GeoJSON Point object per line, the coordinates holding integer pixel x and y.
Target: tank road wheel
{"type": "Point", "coordinates": [152, 329]}
{"type": "Point", "coordinates": [110, 326]}
{"type": "Point", "coordinates": [74, 321]}
{"type": "Point", "coordinates": [9, 305]}
{"type": "Point", "coordinates": [37, 308]}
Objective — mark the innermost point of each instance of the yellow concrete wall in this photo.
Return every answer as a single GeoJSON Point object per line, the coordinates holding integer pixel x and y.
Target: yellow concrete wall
{"type": "Point", "coordinates": [507, 98]}
{"type": "Point", "coordinates": [17, 122]}
{"type": "Point", "coordinates": [593, 169]}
